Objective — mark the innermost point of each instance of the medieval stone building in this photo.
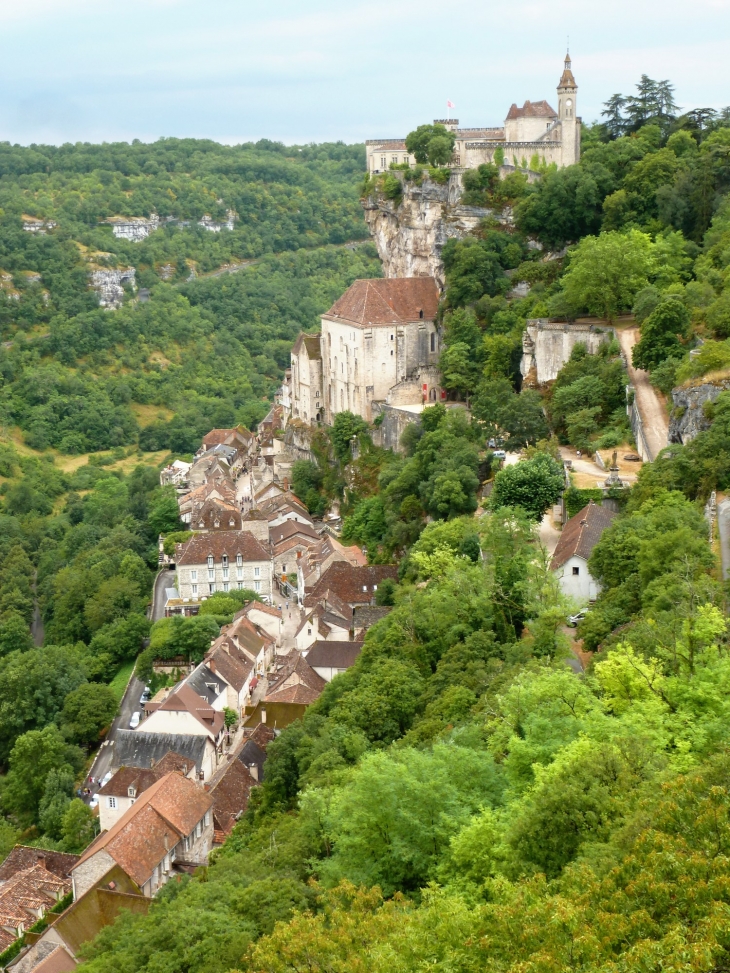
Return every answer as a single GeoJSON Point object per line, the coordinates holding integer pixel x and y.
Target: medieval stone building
{"type": "Point", "coordinates": [534, 132]}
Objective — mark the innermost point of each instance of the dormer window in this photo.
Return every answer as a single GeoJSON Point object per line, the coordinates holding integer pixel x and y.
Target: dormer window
{"type": "Point", "coordinates": [224, 559]}
{"type": "Point", "coordinates": [217, 523]}
{"type": "Point", "coordinates": [210, 561]}
{"type": "Point", "coordinates": [239, 560]}
{"type": "Point", "coordinates": [131, 792]}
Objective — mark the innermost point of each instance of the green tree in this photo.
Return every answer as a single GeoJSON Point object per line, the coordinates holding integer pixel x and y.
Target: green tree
{"type": "Point", "coordinates": [607, 272]}
{"type": "Point", "coordinates": [661, 335]}
{"type": "Point", "coordinates": [533, 484]}
{"type": "Point", "coordinates": [78, 828]}
{"type": "Point", "coordinates": [164, 515]}
{"type": "Point", "coordinates": [345, 427]}
{"type": "Point", "coordinates": [33, 757]}
{"type": "Point", "coordinates": [54, 803]}
{"type": "Point", "coordinates": [87, 711]}
{"type": "Point", "coordinates": [431, 143]}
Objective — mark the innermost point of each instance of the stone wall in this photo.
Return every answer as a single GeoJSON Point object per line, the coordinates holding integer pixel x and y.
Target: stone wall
{"type": "Point", "coordinates": [298, 439]}
{"type": "Point", "coordinates": [548, 345]}
{"type": "Point", "coordinates": [395, 422]}
{"type": "Point", "coordinates": [108, 285]}
{"type": "Point", "coordinates": [688, 417]}
{"type": "Point", "coordinates": [411, 233]}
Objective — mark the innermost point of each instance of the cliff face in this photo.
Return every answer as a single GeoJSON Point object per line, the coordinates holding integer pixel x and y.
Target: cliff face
{"type": "Point", "coordinates": [411, 233]}
{"type": "Point", "coordinates": [688, 416]}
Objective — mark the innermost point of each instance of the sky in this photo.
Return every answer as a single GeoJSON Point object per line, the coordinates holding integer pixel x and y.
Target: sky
{"type": "Point", "coordinates": [237, 70]}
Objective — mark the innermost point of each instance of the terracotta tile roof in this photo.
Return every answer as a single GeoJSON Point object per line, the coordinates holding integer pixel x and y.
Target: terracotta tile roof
{"type": "Point", "coordinates": [387, 301]}
{"type": "Point", "coordinates": [27, 894]}
{"type": "Point", "coordinates": [174, 762]}
{"type": "Point", "coordinates": [234, 667]}
{"type": "Point", "coordinates": [246, 636]}
{"type": "Point", "coordinates": [581, 533]}
{"type": "Point", "coordinates": [285, 500]}
{"type": "Point", "coordinates": [218, 437]}
{"type": "Point", "coordinates": [295, 671]}
{"type": "Point", "coordinates": [230, 793]}
{"type": "Point", "coordinates": [216, 514]}
{"type": "Point", "coordinates": [355, 585]}
{"type": "Point", "coordinates": [59, 960]}
{"type": "Point", "coordinates": [290, 528]}
{"type": "Point", "coordinates": [532, 109]}
{"type": "Point", "coordinates": [126, 777]}
{"type": "Point", "coordinates": [263, 735]}
{"type": "Point", "coordinates": [230, 542]}
{"type": "Point", "coordinates": [300, 694]}
{"type": "Point", "coordinates": [185, 699]}
{"type": "Point", "coordinates": [311, 342]}
{"type": "Point", "coordinates": [257, 606]}
{"type": "Point", "coordinates": [334, 655]}
{"type": "Point", "coordinates": [22, 857]}
{"type": "Point", "coordinates": [166, 812]}
{"type": "Point", "coordinates": [566, 79]}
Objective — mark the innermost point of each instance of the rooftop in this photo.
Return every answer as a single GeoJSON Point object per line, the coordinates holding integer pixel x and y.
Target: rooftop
{"type": "Point", "coordinates": [387, 301]}
{"type": "Point", "coordinates": [333, 655]}
{"type": "Point", "coordinates": [311, 342]}
{"type": "Point", "coordinates": [581, 533]}
{"type": "Point", "coordinates": [353, 584]}
{"type": "Point", "coordinates": [532, 109]}
{"type": "Point", "coordinates": [142, 748]}
{"type": "Point", "coordinates": [230, 542]}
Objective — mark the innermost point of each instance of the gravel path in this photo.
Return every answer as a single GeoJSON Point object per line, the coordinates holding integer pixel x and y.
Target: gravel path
{"type": "Point", "coordinates": [650, 403]}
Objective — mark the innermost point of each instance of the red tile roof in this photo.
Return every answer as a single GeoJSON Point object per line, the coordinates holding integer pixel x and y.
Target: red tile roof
{"type": "Point", "coordinates": [581, 534]}
{"type": "Point", "coordinates": [230, 542]}
{"type": "Point", "coordinates": [126, 777]}
{"type": "Point", "coordinates": [185, 699]}
{"type": "Point", "coordinates": [353, 584]}
{"type": "Point", "coordinates": [22, 857]}
{"type": "Point", "coordinates": [334, 655]}
{"type": "Point", "coordinates": [397, 300]}
{"type": "Point", "coordinates": [302, 695]}
{"type": "Point", "coordinates": [532, 109]}
{"type": "Point", "coordinates": [166, 812]}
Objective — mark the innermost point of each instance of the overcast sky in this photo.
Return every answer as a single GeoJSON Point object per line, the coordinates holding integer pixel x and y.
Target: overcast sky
{"type": "Point", "coordinates": [237, 70]}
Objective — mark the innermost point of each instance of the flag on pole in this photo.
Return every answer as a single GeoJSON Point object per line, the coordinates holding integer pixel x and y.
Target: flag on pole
{"type": "Point", "coordinates": [450, 104]}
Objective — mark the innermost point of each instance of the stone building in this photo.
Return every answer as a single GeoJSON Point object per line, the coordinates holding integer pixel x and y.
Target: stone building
{"type": "Point", "coordinates": [379, 343]}
{"type": "Point", "coordinates": [534, 131]}
{"type": "Point", "coordinates": [223, 560]}
{"type": "Point", "coordinates": [548, 345]}
{"type": "Point", "coordinates": [577, 540]}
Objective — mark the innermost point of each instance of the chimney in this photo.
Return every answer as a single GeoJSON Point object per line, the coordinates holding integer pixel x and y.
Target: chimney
{"type": "Point", "coordinates": [253, 769]}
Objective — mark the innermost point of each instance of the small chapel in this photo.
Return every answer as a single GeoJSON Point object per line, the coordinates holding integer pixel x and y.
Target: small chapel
{"type": "Point", "coordinates": [533, 135]}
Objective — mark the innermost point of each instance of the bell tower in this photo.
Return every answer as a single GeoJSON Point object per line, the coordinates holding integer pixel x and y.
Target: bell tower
{"type": "Point", "coordinates": [567, 114]}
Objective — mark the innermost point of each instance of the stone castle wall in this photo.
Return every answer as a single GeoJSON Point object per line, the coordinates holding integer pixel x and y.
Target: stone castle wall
{"type": "Point", "coordinates": [548, 345]}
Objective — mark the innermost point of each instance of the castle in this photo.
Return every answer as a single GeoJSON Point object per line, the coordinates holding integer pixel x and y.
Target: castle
{"type": "Point", "coordinates": [535, 132]}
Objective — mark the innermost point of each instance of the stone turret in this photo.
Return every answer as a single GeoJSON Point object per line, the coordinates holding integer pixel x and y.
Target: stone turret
{"type": "Point", "coordinates": [568, 114]}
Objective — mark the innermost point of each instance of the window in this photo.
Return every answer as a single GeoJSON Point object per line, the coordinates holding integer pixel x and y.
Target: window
{"type": "Point", "coordinates": [364, 587]}
{"type": "Point", "coordinates": [224, 560]}
{"type": "Point", "coordinates": [395, 160]}
{"type": "Point", "coordinates": [212, 589]}
{"type": "Point", "coordinates": [239, 585]}
{"type": "Point", "coordinates": [391, 351]}
{"type": "Point", "coordinates": [211, 574]}
{"type": "Point", "coordinates": [225, 586]}
{"type": "Point", "coordinates": [391, 337]}
{"type": "Point", "coordinates": [211, 562]}
{"type": "Point", "coordinates": [225, 574]}
{"type": "Point", "coordinates": [194, 589]}
{"type": "Point", "coordinates": [112, 801]}
{"type": "Point", "coordinates": [193, 575]}
{"type": "Point", "coordinates": [239, 560]}
{"type": "Point", "coordinates": [576, 571]}
{"type": "Point", "coordinates": [283, 568]}
{"type": "Point", "coordinates": [257, 572]}
{"type": "Point", "coordinates": [433, 341]}
{"type": "Point", "coordinates": [383, 162]}
{"type": "Point", "coordinates": [131, 792]}
{"type": "Point", "coordinates": [257, 586]}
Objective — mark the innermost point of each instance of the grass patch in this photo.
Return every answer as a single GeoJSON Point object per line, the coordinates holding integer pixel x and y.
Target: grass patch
{"type": "Point", "coordinates": [119, 682]}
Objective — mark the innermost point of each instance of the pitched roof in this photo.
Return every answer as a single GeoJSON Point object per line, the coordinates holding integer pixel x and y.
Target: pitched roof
{"type": "Point", "coordinates": [22, 857]}
{"type": "Point", "coordinates": [137, 777]}
{"type": "Point", "coordinates": [334, 655]}
{"type": "Point", "coordinates": [230, 542]}
{"type": "Point", "coordinates": [207, 683]}
{"type": "Point", "coordinates": [566, 78]}
{"type": "Point", "coordinates": [186, 699]}
{"type": "Point", "coordinates": [230, 793]}
{"type": "Point", "coordinates": [58, 960]}
{"type": "Point", "coordinates": [215, 514]}
{"type": "Point", "coordinates": [353, 584]}
{"type": "Point", "coordinates": [532, 109]}
{"type": "Point", "coordinates": [228, 661]}
{"type": "Point", "coordinates": [312, 343]}
{"type": "Point", "coordinates": [300, 694]}
{"type": "Point", "coordinates": [262, 736]}
{"type": "Point", "coordinates": [581, 533]}
{"type": "Point", "coordinates": [295, 671]}
{"type": "Point", "coordinates": [145, 833]}
{"type": "Point", "coordinates": [143, 748]}
{"type": "Point", "coordinates": [28, 892]}
{"type": "Point", "coordinates": [290, 528]}
{"type": "Point", "coordinates": [174, 761]}
{"type": "Point", "coordinates": [218, 437]}
{"type": "Point", "coordinates": [253, 753]}
{"type": "Point", "coordinates": [393, 300]}
{"type": "Point", "coordinates": [365, 616]}
{"type": "Point", "coordinates": [99, 906]}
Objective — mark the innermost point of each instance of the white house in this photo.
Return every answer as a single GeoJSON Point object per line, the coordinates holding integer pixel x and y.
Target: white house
{"type": "Point", "coordinates": [580, 535]}
{"type": "Point", "coordinates": [223, 561]}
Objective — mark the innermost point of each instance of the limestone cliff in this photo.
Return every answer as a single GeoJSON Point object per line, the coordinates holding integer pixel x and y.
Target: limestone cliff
{"type": "Point", "coordinates": [690, 415]}
{"type": "Point", "coordinates": [411, 232]}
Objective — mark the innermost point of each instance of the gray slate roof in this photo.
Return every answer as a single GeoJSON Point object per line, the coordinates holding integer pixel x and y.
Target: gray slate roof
{"type": "Point", "coordinates": [252, 753]}
{"type": "Point", "coordinates": [137, 748]}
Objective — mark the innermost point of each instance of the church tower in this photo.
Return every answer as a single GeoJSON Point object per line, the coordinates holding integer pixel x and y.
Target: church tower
{"type": "Point", "coordinates": [567, 114]}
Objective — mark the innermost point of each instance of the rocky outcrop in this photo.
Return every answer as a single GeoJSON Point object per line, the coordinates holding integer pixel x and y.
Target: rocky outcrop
{"type": "Point", "coordinates": [298, 439]}
{"type": "Point", "coordinates": [411, 232]}
{"type": "Point", "coordinates": [691, 414]}
{"type": "Point", "coordinates": [108, 285]}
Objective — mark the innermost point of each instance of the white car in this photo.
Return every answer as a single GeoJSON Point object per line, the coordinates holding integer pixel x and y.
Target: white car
{"type": "Point", "coordinates": [94, 803]}
{"type": "Point", "coordinates": [578, 617]}
{"type": "Point", "coordinates": [106, 778]}
{"type": "Point", "coordinates": [134, 722]}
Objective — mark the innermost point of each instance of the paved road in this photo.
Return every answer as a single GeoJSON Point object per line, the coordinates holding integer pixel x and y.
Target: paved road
{"type": "Point", "coordinates": [650, 404]}
{"type": "Point", "coordinates": [130, 701]}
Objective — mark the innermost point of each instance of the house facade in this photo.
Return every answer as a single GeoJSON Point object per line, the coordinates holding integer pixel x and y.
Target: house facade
{"type": "Point", "coordinates": [223, 561]}
{"type": "Point", "coordinates": [577, 540]}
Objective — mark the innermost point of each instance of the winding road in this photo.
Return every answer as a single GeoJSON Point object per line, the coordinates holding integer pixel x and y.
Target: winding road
{"type": "Point", "coordinates": [648, 401]}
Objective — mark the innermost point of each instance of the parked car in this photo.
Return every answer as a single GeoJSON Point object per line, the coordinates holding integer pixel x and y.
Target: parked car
{"type": "Point", "coordinates": [134, 722]}
{"type": "Point", "coordinates": [499, 454]}
{"type": "Point", "coordinates": [94, 803]}
{"type": "Point", "coordinates": [146, 696]}
{"type": "Point", "coordinates": [578, 617]}
{"type": "Point", "coordinates": [106, 778]}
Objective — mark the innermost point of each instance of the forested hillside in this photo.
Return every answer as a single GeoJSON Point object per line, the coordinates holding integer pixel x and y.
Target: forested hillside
{"type": "Point", "coordinates": [79, 378]}
{"type": "Point", "coordinates": [461, 799]}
